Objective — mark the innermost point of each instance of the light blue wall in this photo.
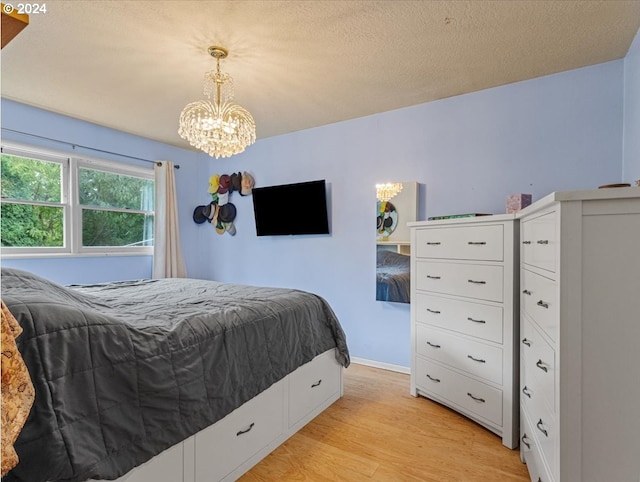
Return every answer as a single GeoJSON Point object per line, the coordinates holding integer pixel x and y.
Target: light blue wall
{"type": "Point", "coordinates": [554, 133]}
{"type": "Point", "coordinates": [631, 167]}
{"type": "Point", "coordinates": [468, 152]}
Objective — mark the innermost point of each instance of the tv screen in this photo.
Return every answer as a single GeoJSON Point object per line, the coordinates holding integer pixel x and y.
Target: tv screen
{"type": "Point", "coordinates": [288, 209]}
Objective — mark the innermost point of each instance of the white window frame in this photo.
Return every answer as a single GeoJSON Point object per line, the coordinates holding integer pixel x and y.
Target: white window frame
{"type": "Point", "coordinates": [70, 202]}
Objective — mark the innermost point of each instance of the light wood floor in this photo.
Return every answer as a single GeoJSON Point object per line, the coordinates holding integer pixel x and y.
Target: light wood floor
{"type": "Point", "coordinates": [378, 432]}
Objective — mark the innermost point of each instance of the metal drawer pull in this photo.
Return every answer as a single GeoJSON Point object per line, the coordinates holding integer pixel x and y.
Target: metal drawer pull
{"type": "Point", "coordinates": [317, 383]}
{"type": "Point", "coordinates": [481, 400]}
{"type": "Point", "coordinates": [539, 425]}
{"type": "Point", "coordinates": [526, 242]}
{"type": "Point", "coordinates": [479, 360]}
{"type": "Point", "coordinates": [436, 312]}
{"type": "Point", "coordinates": [476, 243]}
{"type": "Point", "coordinates": [433, 277]}
{"type": "Point", "coordinates": [477, 282]}
{"type": "Point", "coordinates": [542, 241]}
{"type": "Point", "coordinates": [475, 321]}
{"type": "Point", "coordinates": [543, 304]}
{"type": "Point", "coordinates": [526, 342]}
{"type": "Point", "coordinates": [433, 244]}
{"type": "Point", "coordinates": [437, 380]}
{"type": "Point", "coordinates": [526, 292]}
{"type": "Point", "coordinates": [245, 431]}
{"type": "Point", "coordinates": [526, 391]}
{"type": "Point", "coordinates": [433, 345]}
{"type": "Point", "coordinates": [524, 441]}
{"type": "Point", "coordinates": [540, 365]}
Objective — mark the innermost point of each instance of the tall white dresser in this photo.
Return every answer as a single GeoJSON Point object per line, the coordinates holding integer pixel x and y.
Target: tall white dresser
{"type": "Point", "coordinates": [580, 336]}
{"type": "Point", "coordinates": [464, 330]}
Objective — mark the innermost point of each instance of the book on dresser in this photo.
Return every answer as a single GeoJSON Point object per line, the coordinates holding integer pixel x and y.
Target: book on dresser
{"type": "Point", "coordinates": [464, 318]}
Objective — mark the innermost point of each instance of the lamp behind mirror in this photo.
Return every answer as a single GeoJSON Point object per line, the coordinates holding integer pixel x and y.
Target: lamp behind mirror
{"type": "Point", "coordinates": [396, 205]}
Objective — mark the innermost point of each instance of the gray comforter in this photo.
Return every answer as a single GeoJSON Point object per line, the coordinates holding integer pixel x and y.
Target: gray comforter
{"type": "Point", "coordinates": [125, 370]}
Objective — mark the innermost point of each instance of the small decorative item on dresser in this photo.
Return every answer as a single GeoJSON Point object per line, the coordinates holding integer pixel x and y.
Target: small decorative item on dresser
{"type": "Point", "coordinates": [638, 184]}
{"type": "Point", "coordinates": [515, 202]}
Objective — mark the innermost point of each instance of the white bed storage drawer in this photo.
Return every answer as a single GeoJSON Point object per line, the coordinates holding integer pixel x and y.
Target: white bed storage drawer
{"type": "Point", "coordinates": [473, 396]}
{"type": "Point", "coordinates": [167, 468]}
{"type": "Point", "coordinates": [311, 385]}
{"type": "Point", "coordinates": [480, 281]}
{"type": "Point", "coordinates": [540, 301]}
{"type": "Point", "coordinates": [231, 441]}
{"type": "Point", "coordinates": [474, 357]}
{"type": "Point", "coordinates": [539, 241]}
{"type": "Point", "coordinates": [474, 319]}
{"type": "Point", "coordinates": [463, 242]}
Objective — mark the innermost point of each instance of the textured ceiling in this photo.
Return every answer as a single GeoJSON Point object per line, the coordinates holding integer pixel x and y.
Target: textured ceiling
{"type": "Point", "coordinates": [133, 65]}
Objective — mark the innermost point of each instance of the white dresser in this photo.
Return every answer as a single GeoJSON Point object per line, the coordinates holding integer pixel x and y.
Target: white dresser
{"type": "Point", "coordinates": [464, 330]}
{"type": "Point", "coordinates": [580, 336]}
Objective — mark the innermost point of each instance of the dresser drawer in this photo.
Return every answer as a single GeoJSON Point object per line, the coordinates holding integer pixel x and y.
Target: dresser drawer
{"type": "Point", "coordinates": [538, 366]}
{"type": "Point", "coordinates": [539, 242]}
{"type": "Point", "coordinates": [312, 384]}
{"type": "Point", "coordinates": [474, 319]}
{"type": "Point", "coordinates": [478, 281]}
{"type": "Point", "coordinates": [473, 357]}
{"type": "Point", "coordinates": [473, 396]}
{"type": "Point", "coordinates": [222, 447]}
{"type": "Point", "coordinates": [539, 300]}
{"type": "Point", "coordinates": [544, 433]}
{"type": "Point", "coordinates": [538, 471]}
{"type": "Point", "coordinates": [461, 242]}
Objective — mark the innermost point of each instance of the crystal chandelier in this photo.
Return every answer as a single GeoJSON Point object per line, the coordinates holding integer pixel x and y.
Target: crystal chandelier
{"type": "Point", "coordinates": [387, 190]}
{"type": "Point", "coordinates": [217, 126]}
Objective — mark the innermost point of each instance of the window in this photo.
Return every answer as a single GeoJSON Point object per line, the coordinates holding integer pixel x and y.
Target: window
{"type": "Point", "coordinates": [52, 204]}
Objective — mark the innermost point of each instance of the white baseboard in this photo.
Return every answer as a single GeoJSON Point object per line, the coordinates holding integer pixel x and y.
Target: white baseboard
{"type": "Point", "coordinates": [384, 366]}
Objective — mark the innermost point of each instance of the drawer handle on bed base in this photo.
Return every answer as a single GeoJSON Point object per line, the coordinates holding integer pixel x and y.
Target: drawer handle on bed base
{"type": "Point", "coordinates": [526, 292]}
{"type": "Point", "coordinates": [542, 241]}
{"type": "Point", "coordinates": [437, 380]}
{"type": "Point", "coordinates": [524, 441]}
{"type": "Point", "coordinates": [245, 431]}
{"type": "Point", "coordinates": [317, 383]}
{"type": "Point", "coordinates": [433, 277]}
{"type": "Point", "coordinates": [433, 345]}
{"type": "Point", "coordinates": [477, 282]}
{"type": "Point", "coordinates": [479, 360]}
{"type": "Point", "coordinates": [476, 243]}
{"type": "Point", "coordinates": [436, 312]}
{"type": "Point", "coordinates": [526, 342]}
{"type": "Point", "coordinates": [431, 243]}
{"type": "Point", "coordinates": [526, 391]}
{"type": "Point", "coordinates": [477, 399]}
{"type": "Point", "coordinates": [475, 321]}
{"type": "Point", "coordinates": [543, 304]}
{"type": "Point", "coordinates": [526, 242]}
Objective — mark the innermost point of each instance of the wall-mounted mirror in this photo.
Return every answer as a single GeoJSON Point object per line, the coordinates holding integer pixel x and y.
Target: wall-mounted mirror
{"type": "Point", "coordinates": [396, 205]}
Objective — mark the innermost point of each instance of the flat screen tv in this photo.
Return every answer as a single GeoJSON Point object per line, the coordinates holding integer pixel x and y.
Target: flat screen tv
{"type": "Point", "coordinates": [291, 209]}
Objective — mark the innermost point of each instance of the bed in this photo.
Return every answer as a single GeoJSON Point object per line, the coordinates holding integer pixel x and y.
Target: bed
{"type": "Point", "coordinates": [128, 370]}
{"type": "Point", "coordinates": [393, 276]}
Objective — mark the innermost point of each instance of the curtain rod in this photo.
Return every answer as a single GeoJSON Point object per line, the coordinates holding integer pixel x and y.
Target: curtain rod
{"type": "Point", "coordinates": [73, 146]}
